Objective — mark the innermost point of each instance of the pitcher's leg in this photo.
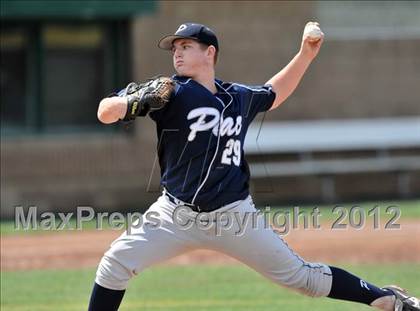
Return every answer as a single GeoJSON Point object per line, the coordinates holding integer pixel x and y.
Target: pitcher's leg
{"type": "Point", "coordinates": [105, 299]}
{"type": "Point", "coordinates": [258, 246]}
{"type": "Point", "coordinates": [156, 240]}
{"type": "Point", "coordinates": [266, 252]}
{"type": "Point", "coordinates": [131, 254]}
{"type": "Point", "coordinates": [347, 286]}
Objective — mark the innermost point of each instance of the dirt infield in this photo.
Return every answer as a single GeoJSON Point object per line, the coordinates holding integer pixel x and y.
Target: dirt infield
{"type": "Point", "coordinates": [84, 249]}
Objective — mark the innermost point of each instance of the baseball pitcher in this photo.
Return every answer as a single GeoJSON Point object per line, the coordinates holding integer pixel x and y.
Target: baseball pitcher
{"type": "Point", "coordinates": [201, 123]}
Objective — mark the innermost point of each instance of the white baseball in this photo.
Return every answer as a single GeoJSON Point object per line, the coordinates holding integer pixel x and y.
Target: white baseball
{"type": "Point", "coordinates": [313, 32]}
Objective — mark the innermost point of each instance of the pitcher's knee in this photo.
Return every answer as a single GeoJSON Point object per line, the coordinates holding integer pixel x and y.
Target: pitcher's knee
{"type": "Point", "coordinates": [309, 279]}
{"type": "Point", "coordinates": [318, 280]}
{"type": "Point", "coordinates": [112, 274]}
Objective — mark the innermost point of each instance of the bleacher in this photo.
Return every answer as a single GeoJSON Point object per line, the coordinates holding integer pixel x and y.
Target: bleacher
{"type": "Point", "coordinates": [333, 148]}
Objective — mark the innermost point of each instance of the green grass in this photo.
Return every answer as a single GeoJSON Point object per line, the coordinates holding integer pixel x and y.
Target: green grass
{"type": "Point", "coordinates": [225, 288]}
{"type": "Point", "coordinates": [409, 210]}
{"type": "Point", "coordinates": [8, 227]}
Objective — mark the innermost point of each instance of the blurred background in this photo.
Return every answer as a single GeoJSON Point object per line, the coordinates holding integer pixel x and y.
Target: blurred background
{"type": "Point", "coordinates": [351, 130]}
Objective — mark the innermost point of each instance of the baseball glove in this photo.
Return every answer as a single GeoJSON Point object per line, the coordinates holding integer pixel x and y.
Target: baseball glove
{"type": "Point", "coordinates": [151, 95]}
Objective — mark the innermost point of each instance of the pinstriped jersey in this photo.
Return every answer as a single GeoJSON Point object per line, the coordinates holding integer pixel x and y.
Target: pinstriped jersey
{"type": "Point", "coordinates": [201, 137]}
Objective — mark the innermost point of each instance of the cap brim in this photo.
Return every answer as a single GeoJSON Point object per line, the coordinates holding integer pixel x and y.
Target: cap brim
{"type": "Point", "coordinates": [167, 41]}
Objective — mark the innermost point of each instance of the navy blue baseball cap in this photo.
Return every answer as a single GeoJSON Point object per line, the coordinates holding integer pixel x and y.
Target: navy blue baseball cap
{"type": "Point", "coordinates": [193, 31]}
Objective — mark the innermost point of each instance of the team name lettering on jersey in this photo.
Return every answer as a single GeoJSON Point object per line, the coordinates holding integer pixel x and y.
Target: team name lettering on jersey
{"type": "Point", "coordinates": [228, 126]}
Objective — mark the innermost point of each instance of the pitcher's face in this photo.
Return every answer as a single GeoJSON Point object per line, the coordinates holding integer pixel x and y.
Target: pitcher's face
{"type": "Point", "coordinates": [189, 57]}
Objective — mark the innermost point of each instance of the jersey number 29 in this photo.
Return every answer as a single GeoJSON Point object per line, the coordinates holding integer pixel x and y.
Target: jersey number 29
{"type": "Point", "coordinates": [232, 146]}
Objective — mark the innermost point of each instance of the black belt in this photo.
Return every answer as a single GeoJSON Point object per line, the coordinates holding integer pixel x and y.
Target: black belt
{"type": "Point", "coordinates": [193, 207]}
{"type": "Point", "coordinates": [178, 202]}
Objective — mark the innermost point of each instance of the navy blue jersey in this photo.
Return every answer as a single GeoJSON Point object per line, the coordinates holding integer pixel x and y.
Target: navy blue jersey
{"type": "Point", "coordinates": [201, 137]}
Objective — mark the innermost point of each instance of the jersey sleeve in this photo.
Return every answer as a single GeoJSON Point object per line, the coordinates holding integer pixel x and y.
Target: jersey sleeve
{"type": "Point", "coordinates": [258, 99]}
